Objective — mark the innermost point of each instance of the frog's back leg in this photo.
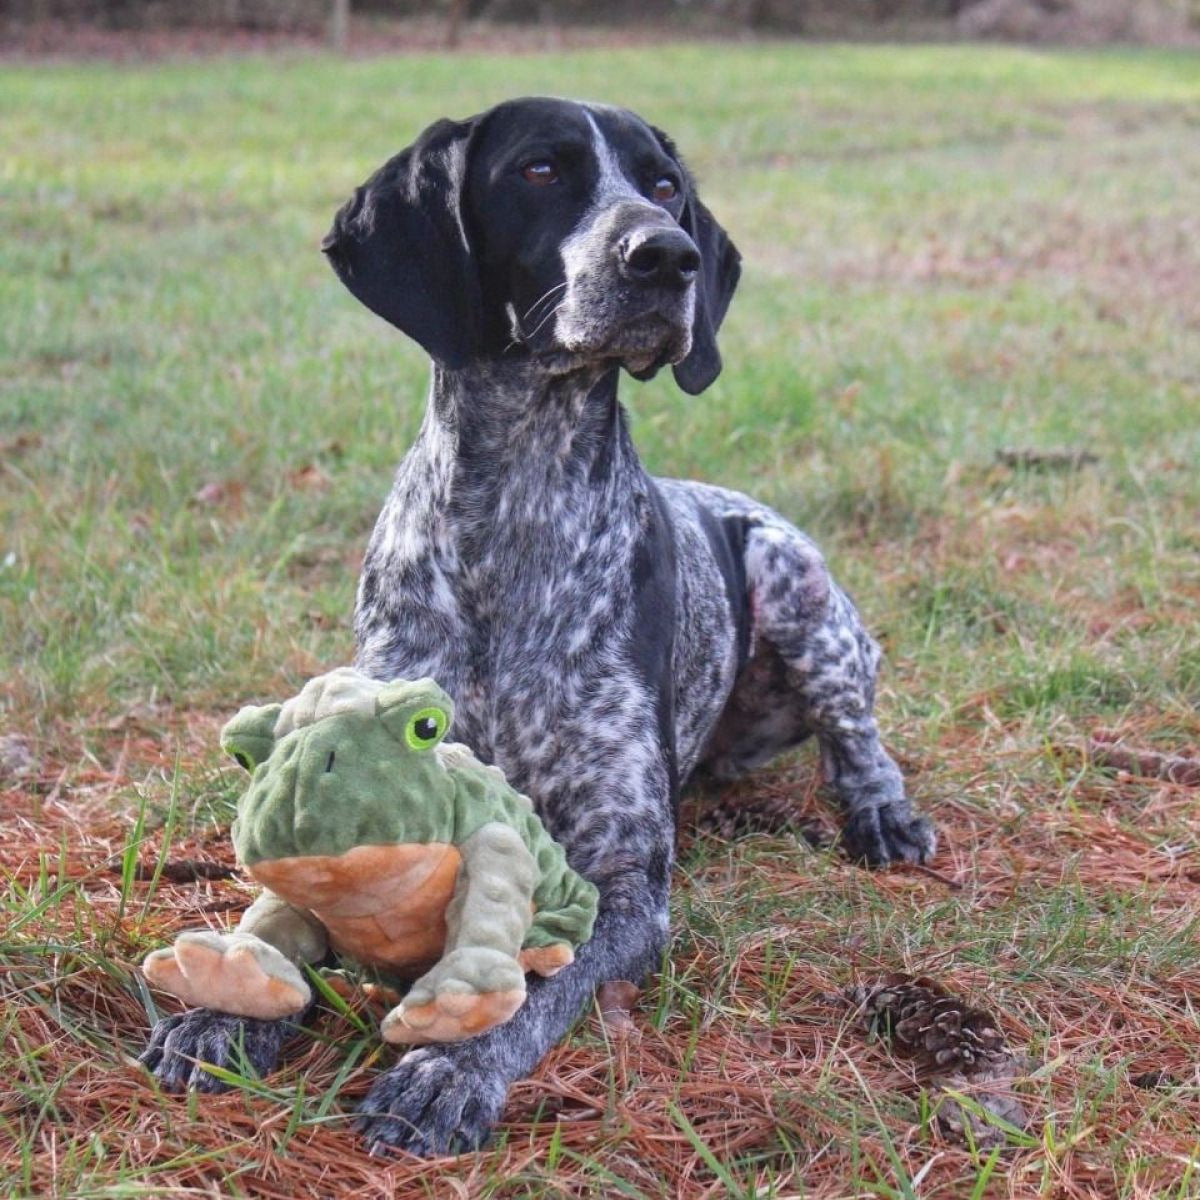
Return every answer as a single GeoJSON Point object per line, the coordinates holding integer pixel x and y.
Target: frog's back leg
{"type": "Point", "coordinates": [564, 907]}
{"type": "Point", "coordinates": [479, 981]}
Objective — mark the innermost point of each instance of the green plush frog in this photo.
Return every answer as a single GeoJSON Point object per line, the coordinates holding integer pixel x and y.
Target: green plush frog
{"type": "Point", "coordinates": [380, 841]}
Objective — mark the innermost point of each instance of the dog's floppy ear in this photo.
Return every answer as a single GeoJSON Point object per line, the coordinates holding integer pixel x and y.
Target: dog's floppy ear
{"type": "Point", "coordinates": [720, 269]}
{"type": "Point", "coordinates": [401, 246]}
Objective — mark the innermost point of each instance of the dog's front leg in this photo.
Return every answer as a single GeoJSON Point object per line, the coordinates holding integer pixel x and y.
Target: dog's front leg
{"type": "Point", "coordinates": [445, 1099]}
{"type": "Point", "coordinates": [183, 1044]}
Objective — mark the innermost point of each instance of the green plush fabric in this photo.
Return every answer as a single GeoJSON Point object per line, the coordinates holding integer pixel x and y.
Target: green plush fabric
{"type": "Point", "coordinates": [352, 782]}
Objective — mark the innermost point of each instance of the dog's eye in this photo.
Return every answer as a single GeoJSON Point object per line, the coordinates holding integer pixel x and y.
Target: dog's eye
{"type": "Point", "coordinates": [425, 728]}
{"type": "Point", "coordinates": [664, 189]}
{"type": "Point", "coordinates": [541, 171]}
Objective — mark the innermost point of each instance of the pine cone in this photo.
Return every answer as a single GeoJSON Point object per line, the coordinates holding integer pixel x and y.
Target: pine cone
{"type": "Point", "coordinates": [928, 1023]}
{"type": "Point", "coordinates": [958, 1049]}
{"type": "Point", "coordinates": [730, 819]}
{"type": "Point", "coordinates": [991, 1089]}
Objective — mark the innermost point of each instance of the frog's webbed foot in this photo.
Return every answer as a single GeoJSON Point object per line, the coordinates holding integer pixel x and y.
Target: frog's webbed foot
{"type": "Point", "coordinates": [546, 960]}
{"type": "Point", "coordinates": [230, 972]}
{"type": "Point", "coordinates": [467, 992]}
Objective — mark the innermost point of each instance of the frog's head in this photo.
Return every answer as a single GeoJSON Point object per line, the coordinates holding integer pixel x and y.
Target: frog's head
{"type": "Point", "coordinates": [348, 762]}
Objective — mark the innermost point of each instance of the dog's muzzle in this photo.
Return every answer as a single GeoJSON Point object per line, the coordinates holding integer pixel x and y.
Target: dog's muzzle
{"type": "Point", "coordinates": [631, 291]}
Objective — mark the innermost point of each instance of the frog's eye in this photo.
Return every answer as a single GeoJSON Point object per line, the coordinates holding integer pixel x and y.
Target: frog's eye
{"type": "Point", "coordinates": [425, 728]}
{"type": "Point", "coordinates": [250, 737]}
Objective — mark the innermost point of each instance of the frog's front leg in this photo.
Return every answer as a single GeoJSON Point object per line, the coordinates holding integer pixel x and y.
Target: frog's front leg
{"type": "Point", "coordinates": [478, 982]}
{"type": "Point", "coordinates": [253, 971]}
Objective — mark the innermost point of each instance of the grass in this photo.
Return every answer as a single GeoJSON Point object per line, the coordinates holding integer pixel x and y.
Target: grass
{"type": "Point", "coordinates": [950, 252]}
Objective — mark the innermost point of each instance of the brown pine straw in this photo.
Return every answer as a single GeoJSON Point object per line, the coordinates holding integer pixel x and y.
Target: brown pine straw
{"type": "Point", "coordinates": [774, 1084]}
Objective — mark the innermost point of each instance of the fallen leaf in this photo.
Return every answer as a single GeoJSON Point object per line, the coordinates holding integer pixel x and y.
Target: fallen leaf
{"type": "Point", "coordinates": [217, 493]}
{"type": "Point", "coordinates": [184, 870]}
{"type": "Point", "coordinates": [847, 401]}
{"type": "Point", "coordinates": [1154, 1079]}
{"type": "Point", "coordinates": [16, 758]}
{"type": "Point", "coordinates": [309, 478]}
{"type": "Point", "coordinates": [760, 1036]}
{"type": "Point", "coordinates": [381, 994]}
{"type": "Point", "coordinates": [615, 1001]}
{"type": "Point", "coordinates": [18, 444]}
{"type": "Point", "coordinates": [140, 715]}
{"type": "Point", "coordinates": [1046, 460]}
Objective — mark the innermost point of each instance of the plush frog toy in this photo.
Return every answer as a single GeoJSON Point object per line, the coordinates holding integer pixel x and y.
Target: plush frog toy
{"type": "Point", "coordinates": [380, 841]}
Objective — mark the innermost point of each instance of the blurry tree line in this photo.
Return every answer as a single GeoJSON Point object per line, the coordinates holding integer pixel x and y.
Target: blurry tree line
{"type": "Point", "coordinates": [1012, 18]}
{"type": "Point", "coordinates": [313, 14]}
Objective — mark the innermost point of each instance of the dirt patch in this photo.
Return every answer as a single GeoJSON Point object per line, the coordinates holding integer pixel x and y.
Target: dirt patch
{"type": "Point", "coordinates": [1123, 267]}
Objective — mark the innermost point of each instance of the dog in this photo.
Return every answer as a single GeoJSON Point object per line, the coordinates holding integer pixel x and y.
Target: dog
{"type": "Point", "coordinates": [604, 634]}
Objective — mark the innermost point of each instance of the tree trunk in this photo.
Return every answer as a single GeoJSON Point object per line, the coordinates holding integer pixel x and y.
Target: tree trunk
{"type": "Point", "coordinates": [454, 22]}
{"type": "Point", "coordinates": [339, 25]}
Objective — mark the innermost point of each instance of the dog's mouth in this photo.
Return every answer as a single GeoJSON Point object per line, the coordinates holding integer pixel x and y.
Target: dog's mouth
{"type": "Point", "coordinates": [640, 344]}
{"type": "Point", "coordinates": [650, 342]}
{"type": "Point", "coordinates": [651, 331]}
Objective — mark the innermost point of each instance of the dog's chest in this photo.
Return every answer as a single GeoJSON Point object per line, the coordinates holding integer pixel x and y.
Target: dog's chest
{"type": "Point", "coordinates": [515, 595]}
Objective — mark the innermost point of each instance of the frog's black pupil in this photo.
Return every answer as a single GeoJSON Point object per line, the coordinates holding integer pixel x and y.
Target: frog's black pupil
{"type": "Point", "coordinates": [426, 729]}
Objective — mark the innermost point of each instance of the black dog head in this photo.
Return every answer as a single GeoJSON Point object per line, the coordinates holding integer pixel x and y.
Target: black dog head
{"type": "Point", "coordinates": [565, 231]}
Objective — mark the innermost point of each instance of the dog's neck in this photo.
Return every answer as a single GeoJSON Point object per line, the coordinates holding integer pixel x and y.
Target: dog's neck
{"type": "Point", "coordinates": [514, 472]}
{"type": "Point", "coordinates": [499, 407]}
{"type": "Point", "coordinates": [503, 427]}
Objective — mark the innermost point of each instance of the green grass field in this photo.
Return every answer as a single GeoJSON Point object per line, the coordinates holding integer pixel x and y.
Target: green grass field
{"type": "Point", "coordinates": [951, 253]}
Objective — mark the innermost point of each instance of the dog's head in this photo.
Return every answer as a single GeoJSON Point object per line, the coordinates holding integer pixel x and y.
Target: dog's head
{"type": "Point", "coordinates": [569, 232]}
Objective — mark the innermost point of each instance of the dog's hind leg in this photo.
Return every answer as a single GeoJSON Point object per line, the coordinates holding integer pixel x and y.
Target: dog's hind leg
{"type": "Point", "coordinates": [813, 672]}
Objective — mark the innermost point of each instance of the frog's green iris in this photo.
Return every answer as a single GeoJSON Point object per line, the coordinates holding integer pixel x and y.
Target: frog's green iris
{"type": "Point", "coordinates": [425, 728]}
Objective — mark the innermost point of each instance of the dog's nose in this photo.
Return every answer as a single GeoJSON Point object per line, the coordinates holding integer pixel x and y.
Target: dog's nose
{"type": "Point", "coordinates": [661, 257]}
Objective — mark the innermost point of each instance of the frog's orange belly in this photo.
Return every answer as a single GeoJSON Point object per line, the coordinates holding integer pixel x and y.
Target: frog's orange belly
{"type": "Point", "coordinates": [384, 906]}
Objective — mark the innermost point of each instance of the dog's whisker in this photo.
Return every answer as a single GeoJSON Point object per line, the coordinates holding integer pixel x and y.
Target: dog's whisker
{"type": "Point", "coordinates": [518, 336]}
{"type": "Point", "coordinates": [524, 338]}
{"type": "Point", "coordinates": [549, 316]}
{"type": "Point", "coordinates": [558, 287]}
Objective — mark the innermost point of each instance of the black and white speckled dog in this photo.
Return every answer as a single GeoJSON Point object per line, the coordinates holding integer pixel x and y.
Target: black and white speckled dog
{"type": "Point", "coordinates": [603, 633]}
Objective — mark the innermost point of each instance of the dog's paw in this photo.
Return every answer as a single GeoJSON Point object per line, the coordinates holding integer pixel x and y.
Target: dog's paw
{"type": "Point", "coordinates": [435, 1100]}
{"type": "Point", "coordinates": [180, 1046]}
{"type": "Point", "coordinates": [888, 833]}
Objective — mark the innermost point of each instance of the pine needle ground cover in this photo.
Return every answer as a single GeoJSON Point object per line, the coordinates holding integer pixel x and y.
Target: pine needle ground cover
{"type": "Point", "coordinates": [966, 357]}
